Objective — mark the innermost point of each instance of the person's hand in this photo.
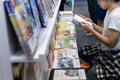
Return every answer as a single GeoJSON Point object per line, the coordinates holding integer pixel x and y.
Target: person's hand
{"type": "Point", "coordinates": [86, 26]}
{"type": "Point", "coordinates": [87, 19]}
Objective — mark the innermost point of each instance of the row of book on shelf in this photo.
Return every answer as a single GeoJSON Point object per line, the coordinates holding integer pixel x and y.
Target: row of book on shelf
{"type": "Point", "coordinates": [65, 60]}
{"type": "Point", "coordinates": [62, 56]}
{"type": "Point", "coordinates": [27, 18]}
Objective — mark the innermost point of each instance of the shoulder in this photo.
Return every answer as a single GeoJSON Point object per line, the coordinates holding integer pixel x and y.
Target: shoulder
{"type": "Point", "coordinates": [116, 13]}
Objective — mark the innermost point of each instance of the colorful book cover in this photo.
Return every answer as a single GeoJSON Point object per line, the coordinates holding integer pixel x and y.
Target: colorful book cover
{"type": "Point", "coordinates": [35, 13]}
{"type": "Point", "coordinates": [31, 19]}
{"type": "Point", "coordinates": [63, 61]}
{"type": "Point", "coordinates": [41, 15]}
{"type": "Point", "coordinates": [20, 21]}
{"type": "Point", "coordinates": [60, 44]}
{"type": "Point", "coordinates": [66, 58]}
{"type": "Point", "coordinates": [15, 24]}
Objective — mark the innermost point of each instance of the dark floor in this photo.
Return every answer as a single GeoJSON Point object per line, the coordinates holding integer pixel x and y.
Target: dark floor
{"type": "Point", "coordinates": [80, 7]}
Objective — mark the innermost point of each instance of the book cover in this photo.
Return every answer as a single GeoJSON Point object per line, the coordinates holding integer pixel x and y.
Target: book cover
{"type": "Point", "coordinates": [61, 59]}
{"type": "Point", "coordinates": [35, 13]}
{"type": "Point", "coordinates": [41, 15]}
{"type": "Point", "coordinates": [60, 44]}
{"type": "Point", "coordinates": [15, 24]}
{"type": "Point", "coordinates": [66, 30]}
{"type": "Point", "coordinates": [20, 21]}
{"type": "Point", "coordinates": [69, 74]}
{"type": "Point", "coordinates": [64, 58]}
{"type": "Point", "coordinates": [31, 19]}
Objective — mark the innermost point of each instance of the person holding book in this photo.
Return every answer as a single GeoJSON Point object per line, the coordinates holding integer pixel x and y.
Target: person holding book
{"type": "Point", "coordinates": [106, 55]}
{"type": "Point", "coordinates": [97, 14]}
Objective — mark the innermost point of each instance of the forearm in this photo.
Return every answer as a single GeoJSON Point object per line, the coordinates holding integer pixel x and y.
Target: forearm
{"type": "Point", "coordinates": [98, 28]}
{"type": "Point", "coordinates": [101, 38]}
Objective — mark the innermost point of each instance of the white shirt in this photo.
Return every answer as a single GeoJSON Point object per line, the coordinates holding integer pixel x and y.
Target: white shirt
{"type": "Point", "coordinates": [112, 20]}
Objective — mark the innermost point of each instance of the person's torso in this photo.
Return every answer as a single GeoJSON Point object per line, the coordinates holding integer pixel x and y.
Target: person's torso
{"type": "Point", "coordinates": [107, 23]}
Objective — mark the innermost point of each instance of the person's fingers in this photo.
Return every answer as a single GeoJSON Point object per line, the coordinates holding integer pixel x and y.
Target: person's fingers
{"type": "Point", "coordinates": [83, 16]}
{"type": "Point", "coordinates": [83, 22]}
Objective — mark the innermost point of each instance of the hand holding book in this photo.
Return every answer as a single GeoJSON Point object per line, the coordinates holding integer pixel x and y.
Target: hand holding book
{"type": "Point", "coordinates": [85, 22]}
{"type": "Point", "coordinates": [82, 19]}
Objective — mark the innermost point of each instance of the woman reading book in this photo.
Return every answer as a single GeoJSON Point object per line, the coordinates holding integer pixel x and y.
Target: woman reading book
{"type": "Point", "coordinates": [106, 55]}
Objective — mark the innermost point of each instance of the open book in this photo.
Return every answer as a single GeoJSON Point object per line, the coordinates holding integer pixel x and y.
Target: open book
{"type": "Point", "coordinates": [80, 19]}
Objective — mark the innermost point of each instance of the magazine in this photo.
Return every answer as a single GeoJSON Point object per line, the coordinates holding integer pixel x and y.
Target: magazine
{"type": "Point", "coordinates": [69, 74]}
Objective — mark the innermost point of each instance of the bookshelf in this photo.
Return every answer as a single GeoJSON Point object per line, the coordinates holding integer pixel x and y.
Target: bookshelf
{"type": "Point", "coordinates": [7, 45]}
{"type": "Point", "coordinates": [5, 65]}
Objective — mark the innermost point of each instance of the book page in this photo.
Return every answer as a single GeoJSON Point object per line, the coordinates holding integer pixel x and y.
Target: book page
{"type": "Point", "coordinates": [80, 19]}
